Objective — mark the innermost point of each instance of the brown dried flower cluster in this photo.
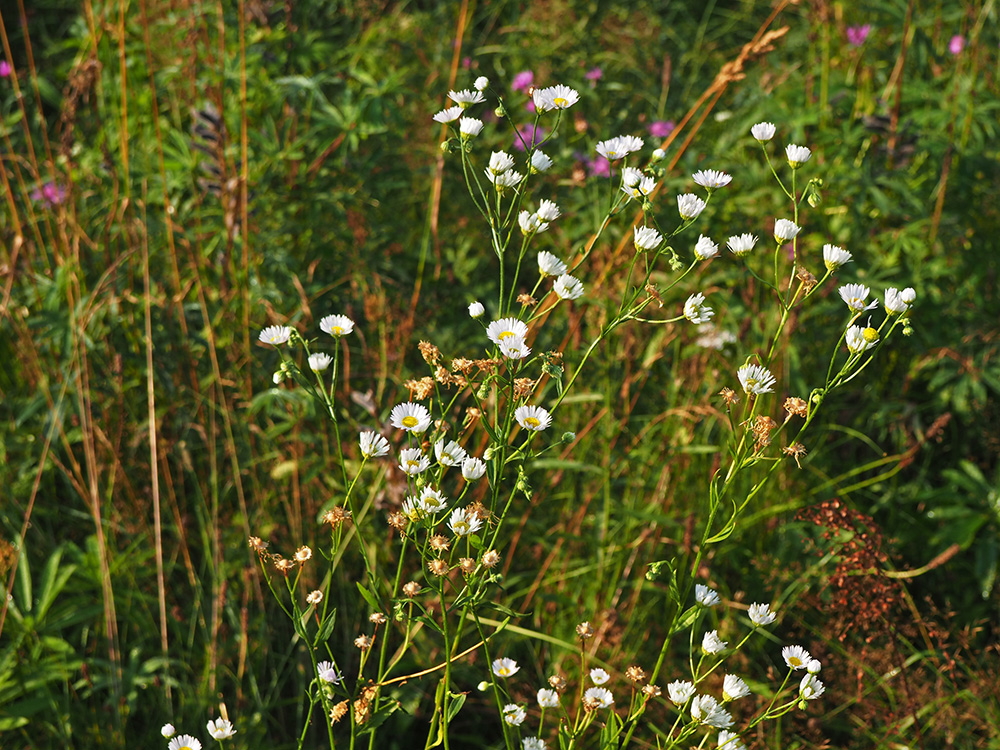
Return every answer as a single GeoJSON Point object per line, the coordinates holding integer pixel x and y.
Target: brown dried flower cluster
{"type": "Point", "coordinates": [557, 682]}
{"type": "Point", "coordinates": [807, 279]}
{"type": "Point", "coordinates": [420, 389]}
{"type": "Point", "coordinates": [429, 352]}
{"type": "Point", "coordinates": [729, 396]}
{"type": "Point", "coordinates": [584, 630]}
{"type": "Point", "coordinates": [444, 377]}
{"type": "Point", "coordinates": [336, 516]}
{"type": "Point", "coordinates": [440, 543]}
{"type": "Point", "coordinates": [411, 589]}
{"type": "Point", "coordinates": [651, 691]}
{"type": "Point", "coordinates": [364, 642]}
{"type": "Point", "coordinates": [338, 712]}
{"type": "Point", "coordinates": [258, 545]}
{"type": "Point", "coordinates": [654, 293]}
{"type": "Point", "coordinates": [363, 705]}
{"type": "Point", "coordinates": [468, 565]}
{"type": "Point", "coordinates": [438, 567]}
{"type": "Point", "coordinates": [377, 617]}
{"type": "Point", "coordinates": [796, 451]}
{"type": "Point", "coordinates": [761, 428]}
{"type": "Point", "coordinates": [397, 520]}
{"type": "Point", "coordinates": [461, 364]}
{"type": "Point", "coordinates": [635, 673]}
{"type": "Point", "coordinates": [796, 407]}
{"type": "Point", "coordinates": [490, 558]}
{"type": "Point", "coordinates": [526, 300]}
{"type": "Point", "coordinates": [523, 387]}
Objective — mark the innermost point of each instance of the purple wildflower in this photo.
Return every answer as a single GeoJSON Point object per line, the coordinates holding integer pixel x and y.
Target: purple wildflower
{"type": "Point", "coordinates": [49, 193]}
{"type": "Point", "coordinates": [594, 74]}
{"type": "Point", "coordinates": [597, 167]}
{"type": "Point", "coordinates": [661, 128]}
{"type": "Point", "coordinates": [523, 81]}
{"type": "Point", "coordinates": [957, 44]}
{"type": "Point", "coordinates": [5, 69]}
{"type": "Point", "coordinates": [856, 35]}
{"type": "Point", "coordinates": [530, 135]}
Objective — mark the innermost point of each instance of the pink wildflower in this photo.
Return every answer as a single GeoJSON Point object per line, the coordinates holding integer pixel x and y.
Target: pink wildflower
{"type": "Point", "coordinates": [856, 35]}
{"type": "Point", "coordinates": [957, 44]}
{"type": "Point", "coordinates": [5, 69]}
{"type": "Point", "coordinates": [661, 128]}
{"type": "Point", "coordinates": [522, 81]}
{"type": "Point", "coordinates": [528, 135]}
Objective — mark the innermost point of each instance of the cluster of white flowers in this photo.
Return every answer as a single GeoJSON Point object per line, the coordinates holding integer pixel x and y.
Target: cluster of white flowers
{"type": "Point", "coordinates": [619, 147]}
{"type": "Point", "coordinates": [218, 729]}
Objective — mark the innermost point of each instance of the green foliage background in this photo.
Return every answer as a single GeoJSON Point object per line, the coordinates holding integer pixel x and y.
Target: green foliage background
{"type": "Point", "coordinates": [318, 114]}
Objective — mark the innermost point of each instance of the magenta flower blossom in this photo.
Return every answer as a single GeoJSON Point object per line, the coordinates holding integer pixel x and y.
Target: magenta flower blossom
{"type": "Point", "coordinates": [957, 44]}
{"type": "Point", "coordinates": [856, 35]}
{"type": "Point", "coordinates": [49, 193]}
{"type": "Point", "coordinates": [528, 135]}
{"type": "Point", "coordinates": [5, 69]}
{"type": "Point", "coordinates": [597, 167]}
{"type": "Point", "coordinates": [523, 81]}
{"type": "Point", "coordinates": [661, 128]}
{"type": "Point", "coordinates": [594, 74]}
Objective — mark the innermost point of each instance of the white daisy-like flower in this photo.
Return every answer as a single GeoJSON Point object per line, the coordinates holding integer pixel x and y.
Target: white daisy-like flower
{"type": "Point", "coordinates": [641, 189]}
{"type": "Point", "coordinates": [410, 416]}
{"type": "Point", "coordinates": [705, 248]}
{"type": "Point", "coordinates": [448, 115]}
{"type": "Point", "coordinates": [505, 328]}
{"type": "Point", "coordinates": [514, 348]}
{"type": "Point", "coordinates": [834, 257]}
{"type": "Point", "coordinates": [514, 715]}
{"type": "Point", "coordinates": [504, 180]}
{"type": "Point", "coordinates": [470, 127]}
{"type": "Point", "coordinates": [466, 98]}
{"type": "Point", "coordinates": [730, 741]}
{"type": "Point", "coordinates": [756, 380]}
{"type": "Point", "coordinates": [450, 453]}
{"type": "Point", "coordinates": [550, 265]}
{"type": "Point", "coordinates": [540, 162]}
{"type": "Point", "coordinates": [327, 672]}
{"type": "Point", "coordinates": [705, 596]}
{"type": "Point", "coordinates": [548, 698]}
{"type": "Point", "coordinates": [658, 155]}
{"type": "Point", "coordinates": [680, 692]}
{"type": "Point", "coordinates": [476, 309]}
{"type": "Point", "coordinates": [319, 361]}
{"type": "Point", "coordinates": [706, 709]}
{"type": "Point", "coordinates": [373, 445]}
{"type": "Point", "coordinates": [184, 742]}
{"type": "Point", "coordinates": [741, 244]}
{"type": "Point", "coordinates": [504, 667]}
{"type": "Point", "coordinates": [795, 657]}
{"type": "Point", "coordinates": [463, 523]}
{"type": "Point", "coordinates": [555, 97]}
{"type": "Point", "coordinates": [797, 155]}
{"type": "Point", "coordinates": [548, 210]}
{"type": "Point", "coordinates": [763, 131]}
{"type": "Point", "coordinates": [167, 730]}
{"type": "Point", "coordinates": [473, 468]}
{"type": "Point", "coordinates": [599, 697]}
{"type": "Point", "coordinates": [785, 230]}
{"type": "Point", "coordinates": [413, 461]}
{"type": "Point", "coordinates": [618, 147]}
{"type": "Point", "coordinates": [895, 304]}
{"type": "Point", "coordinates": [432, 501]}
{"type": "Point", "coordinates": [712, 644]}
{"type": "Point", "coordinates": [733, 688]}
{"type": "Point", "coordinates": [530, 223]}
{"type": "Point", "coordinates": [646, 238]}
{"type": "Point", "coordinates": [811, 687]}
{"type": "Point", "coordinates": [631, 176]}
{"type": "Point", "coordinates": [315, 597]}
{"type": "Point", "coordinates": [500, 161]}
{"type": "Point", "coordinates": [336, 325]}
{"type": "Point", "coordinates": [908, 295]}
{"type": "Point", "coordinates": [689, 206]}
{"type": "Point", "coordinates": [696, 310]}
{"type": "Point", "coordinates": [632, 143]}
{"type": "Point", "coordinates": [860, 339]}
{"type": "Point", "coordinates": [761, 614]}
{"type": "Point", "coordinates": [715, 338]}
{"type": "Point", "coordinates": [481, 83]}
{"type": "Point", "coordinates": [533, 743]}
{"type": "Point", "coordinates": [276, 336]}
{"type": "Point", "coordinates": [568, 287]}
{"type": "Point", "coordinates": [533, 418]}
{"type": "Point", "coordinates": [711, 178]}
{"type": "Point", "coordinates": [814, 666]}
{"type": "Point", "coordinates": [411, 508]}
{"type": "Point", "coordinates": [599, 676]}
{"type": "Point", "coordinates": [855, 297]}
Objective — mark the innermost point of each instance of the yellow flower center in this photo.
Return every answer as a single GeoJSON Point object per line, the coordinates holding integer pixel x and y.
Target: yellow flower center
{"type": "Point", "coordinates": [795, 661]}
{"type": "Point", "coordinates": [560, 102]}
{"type": "Point", "coordinates": [336, 330]}
{"type": "Point", "coordinates": [410, 422]}
{"type": "Point", "coordinates": [505, 334]}
{"type": "Point", "coordinates": [531, 422]}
